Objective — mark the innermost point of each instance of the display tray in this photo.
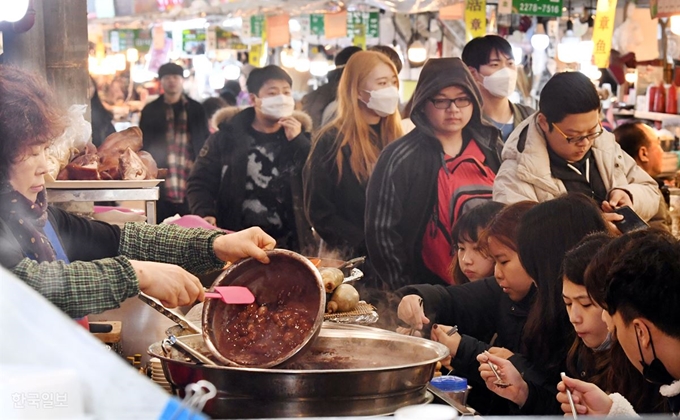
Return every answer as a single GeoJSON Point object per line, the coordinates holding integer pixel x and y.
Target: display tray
{"type": "Point", "coordinates": [102, 184]}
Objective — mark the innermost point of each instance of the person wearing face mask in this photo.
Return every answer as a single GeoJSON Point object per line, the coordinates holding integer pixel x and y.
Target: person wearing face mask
{"type": "Point", "coordinates": [640, 297]}
{"type": "Point", "coordinates": [424, 181]}
{"type": "Point", "coordinates": [345, 151]}
{"type": "Point", "coordinates": [493, 67]}
{"type": "Point", "coordinates": [595, 355]}
{"type": "Point", "coordinates": [249, 173]}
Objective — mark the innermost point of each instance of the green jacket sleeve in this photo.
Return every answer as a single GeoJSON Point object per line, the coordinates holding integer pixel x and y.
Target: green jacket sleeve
{"type": "Point", "coordinates": [191, 249]}
{"type": "Point", "coordinates": [81, 288]}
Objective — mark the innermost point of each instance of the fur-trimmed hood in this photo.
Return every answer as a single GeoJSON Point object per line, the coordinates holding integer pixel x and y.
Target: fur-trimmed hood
{"type": "Point", "coordinates": [226, 114]}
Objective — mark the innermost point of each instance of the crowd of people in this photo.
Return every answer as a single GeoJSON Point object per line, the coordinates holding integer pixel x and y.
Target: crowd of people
{"type": "Point", "coordinates": [494, 225]}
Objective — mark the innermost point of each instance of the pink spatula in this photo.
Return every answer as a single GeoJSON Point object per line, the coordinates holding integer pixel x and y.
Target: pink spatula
{"type": "Point", "coordinates": [232, 295]}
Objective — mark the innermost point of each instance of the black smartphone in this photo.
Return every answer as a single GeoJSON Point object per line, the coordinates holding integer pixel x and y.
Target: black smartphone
{"type": "Point", "coordinates": [631, 221]}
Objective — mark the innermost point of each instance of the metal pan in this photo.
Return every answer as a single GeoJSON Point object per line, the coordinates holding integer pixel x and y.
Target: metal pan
{"type": "Point", "coordinates": [348, 370]}
{"type": "Point", "coordinates": [289, 284]}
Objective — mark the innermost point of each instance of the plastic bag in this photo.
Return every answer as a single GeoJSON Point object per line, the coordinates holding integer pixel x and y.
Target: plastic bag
{"type": "Point", "coordinates": [77, 134]}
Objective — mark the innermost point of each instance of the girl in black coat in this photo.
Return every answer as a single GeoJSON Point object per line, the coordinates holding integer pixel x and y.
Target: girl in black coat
{"type": "Point", "coordinates": [345, 151]}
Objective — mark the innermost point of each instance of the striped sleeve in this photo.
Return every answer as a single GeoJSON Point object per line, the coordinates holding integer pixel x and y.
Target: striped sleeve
{"type": "Point", "coordinates": [191, 249]}
{"type": "Point", "coordinates": [384, 213]}
{"type": "Point", "coordinates": [81, 288]}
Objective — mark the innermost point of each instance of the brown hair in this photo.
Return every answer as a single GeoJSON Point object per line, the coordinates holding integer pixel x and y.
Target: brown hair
{"type": "Point", "coordinates": [352, 128]}
{"type": "Point", "coordinates": [29, 116]}
{"type": "Point", "coordinates": [504, 226]}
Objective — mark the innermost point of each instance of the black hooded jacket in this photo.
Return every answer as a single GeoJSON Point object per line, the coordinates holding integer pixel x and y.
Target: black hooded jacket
{"type": "Point", "coordinates": [402, 191]}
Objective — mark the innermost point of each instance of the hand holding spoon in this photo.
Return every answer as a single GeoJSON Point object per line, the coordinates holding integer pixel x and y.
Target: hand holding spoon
{"type": "Point", "coordinates": [499, 382]}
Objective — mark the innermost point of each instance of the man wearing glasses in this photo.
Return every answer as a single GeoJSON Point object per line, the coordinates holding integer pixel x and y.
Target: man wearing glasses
{"type": "Point", "coordinates": [563, 148]}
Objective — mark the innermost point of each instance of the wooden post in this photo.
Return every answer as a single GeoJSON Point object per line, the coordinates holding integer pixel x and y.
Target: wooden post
{"type": "Point", "coordinates": [66, 50]}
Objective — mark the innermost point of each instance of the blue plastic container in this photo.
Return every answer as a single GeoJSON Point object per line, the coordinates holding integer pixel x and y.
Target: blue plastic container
{"type": "Point", "coordinates": [450, 383]}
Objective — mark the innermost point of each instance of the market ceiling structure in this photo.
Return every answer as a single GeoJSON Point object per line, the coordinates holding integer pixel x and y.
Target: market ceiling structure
{"type": "Point", "coordinates": [192, 8]}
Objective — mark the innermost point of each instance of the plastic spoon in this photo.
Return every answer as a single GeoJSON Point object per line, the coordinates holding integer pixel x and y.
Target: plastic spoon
{"type": "Point", "coordinates": [232, 295]}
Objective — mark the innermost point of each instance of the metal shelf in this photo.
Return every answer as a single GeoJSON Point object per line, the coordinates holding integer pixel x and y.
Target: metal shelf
{"type": "Point", "coordinates": [148, 195]}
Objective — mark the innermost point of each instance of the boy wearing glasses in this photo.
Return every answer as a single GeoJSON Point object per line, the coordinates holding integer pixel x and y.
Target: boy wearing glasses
{"type": "Point", "coordinates": [425, 180]}
{"type": "Point", "coordinates": [563, 148]}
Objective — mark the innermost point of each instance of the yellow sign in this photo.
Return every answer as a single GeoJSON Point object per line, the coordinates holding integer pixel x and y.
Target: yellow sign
{"type": "Point", "coordinates": [254, 55]}
{"type": "Point", "coordinates": [475, 18]}
{"type": "Point", "coordinates": [360, 37]}
{"type": "Point", "coordinates": [602, 32]}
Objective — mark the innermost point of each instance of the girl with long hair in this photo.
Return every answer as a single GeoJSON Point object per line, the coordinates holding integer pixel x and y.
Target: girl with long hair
{"type": "Point", "coordinates": [545, 235]}
{"type": "Point", "coordinates": [346, 150]}
{"type": "Point", "coordinates": [594, 356]}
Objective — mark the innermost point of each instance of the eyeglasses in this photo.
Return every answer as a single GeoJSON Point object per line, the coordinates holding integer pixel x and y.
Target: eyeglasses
{"type": "Point", "coordinates": [441, 103]}
{"type": "Point", "coordinates": [578, 139]}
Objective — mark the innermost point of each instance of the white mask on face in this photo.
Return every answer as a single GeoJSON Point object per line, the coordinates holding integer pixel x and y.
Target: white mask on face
{"type": "Point", "coordinates": [502, 83]}
{"type": "Point", "coordinates": [278, 106]}
{"type": "Point", "coordinates": [384, 101]}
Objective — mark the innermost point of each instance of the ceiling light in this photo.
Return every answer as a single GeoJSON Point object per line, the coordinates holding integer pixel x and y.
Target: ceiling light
{"type": "Point", "coordinates": [14, 10]}
{"type": "Point", "coordinates": [539, 40]}
{"type": "Point", "coordinates": [416, 53]}
{"type": "Point", "coordinates": [232, 72]}
{"type": "Point", "coordinates": [675, 24]}
{"type": "Point", "coordinates": [288, 57]}
{"type": "Point", "coordinates": [319, 66]}
{"type": "Point", "coordinates": [302, 65]}
{"type": "Point", "coordinates": [517, 54]}
{"type": "Point", "coordinates": [216, 80]}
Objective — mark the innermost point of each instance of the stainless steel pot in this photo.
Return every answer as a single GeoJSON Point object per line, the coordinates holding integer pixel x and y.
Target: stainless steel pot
{"type": "Point", "coordinates": [289, 280]}
{"type": "Point", "coordinates": [348, 370]}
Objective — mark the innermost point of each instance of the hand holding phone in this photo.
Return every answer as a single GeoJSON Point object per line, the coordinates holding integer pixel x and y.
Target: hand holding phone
{"type": "Point", "coordinates": [631, 221]}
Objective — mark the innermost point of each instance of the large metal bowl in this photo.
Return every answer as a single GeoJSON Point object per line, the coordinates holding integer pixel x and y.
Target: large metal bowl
{"type": "Point", "coordinates": [349, 370]}
{"type": "Point", "coordinates": [289, 280]}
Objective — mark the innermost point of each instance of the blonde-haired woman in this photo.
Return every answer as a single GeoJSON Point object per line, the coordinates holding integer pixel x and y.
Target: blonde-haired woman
{"type": "Point", "coordinates": [345, 150]}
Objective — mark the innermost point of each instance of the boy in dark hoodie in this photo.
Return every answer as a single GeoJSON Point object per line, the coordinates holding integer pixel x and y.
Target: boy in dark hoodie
{"type": "Point", "coordinates": [425, 180]}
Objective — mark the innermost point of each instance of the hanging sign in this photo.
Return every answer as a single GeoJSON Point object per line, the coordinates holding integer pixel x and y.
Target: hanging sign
{"type": "Point", "coordinates": [225, 40]}
{"type": "Point", "coordinates": [316, 26]}
{"type": "Point", "coordinates": [254, 55]}
{"type": "Point", "coordinates": [256, 26]}
{"type": "Point", "coordinates": [278, 32]}
{"type": "Point", "coordinates": [335, 25]}
{"type": "Point", "coordinates": [453, 12]}
{"type": "Point", "coordinates": [537, 7]}
{"type": "Point", "coordinates": [504, 7]}
{"type": "Point", "coordinates": [193, 41]}
{"type": "Point", "coordinates": [475, 18]}
{"type": "Point", "coordinates": [664, 8]}
{"type": "Point", "coordinates": [366, 23]}
{"type": "Point", "coordinates": [603, 28]}
{"type": "Point", "coordinates": [123, 39]}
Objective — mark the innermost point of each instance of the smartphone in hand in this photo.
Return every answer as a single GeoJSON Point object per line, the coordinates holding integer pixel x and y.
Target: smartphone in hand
{"type": "Point", "coordinates": [631, 221]}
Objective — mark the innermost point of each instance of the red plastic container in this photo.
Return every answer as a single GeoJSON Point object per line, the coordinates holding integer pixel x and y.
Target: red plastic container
{"type": "Point", "coordinates": [672, 100]}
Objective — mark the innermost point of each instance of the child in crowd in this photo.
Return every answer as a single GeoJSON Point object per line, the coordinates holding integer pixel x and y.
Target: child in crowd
{"type": "Point", "coordinates": [480, 309]}
{"type": "Point", "coordinates": [470, 262]}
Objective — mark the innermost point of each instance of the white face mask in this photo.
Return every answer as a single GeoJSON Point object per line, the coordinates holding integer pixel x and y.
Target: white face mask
{"type": "Point", "coordinates": [384, 101]}
{"type": "Point", "coordinates": [278, 106]}
{"type": "Point", "coordinates": [502, 83]}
